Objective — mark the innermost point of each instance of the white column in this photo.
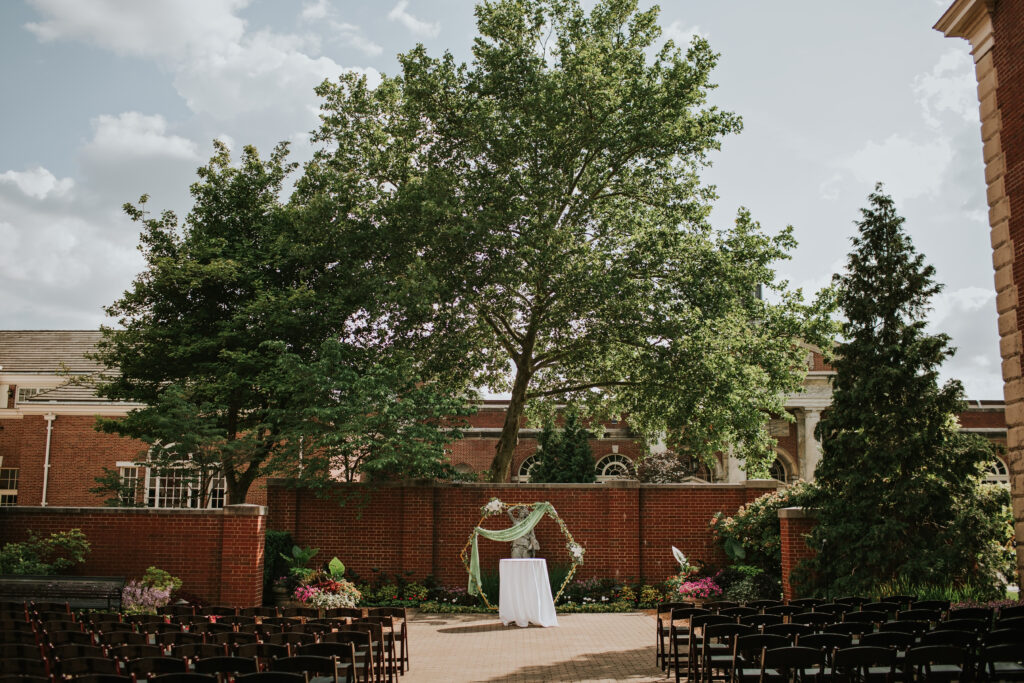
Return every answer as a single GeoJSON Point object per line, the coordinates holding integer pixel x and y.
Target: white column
{"type": "Point", "coordinates": [733, 473]}
{"type": "Point", "coordinates": [810, 449]}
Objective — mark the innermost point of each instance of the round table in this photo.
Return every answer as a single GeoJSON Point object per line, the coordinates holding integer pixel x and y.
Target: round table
{"type": "Point", "coordinates": [525, 593]}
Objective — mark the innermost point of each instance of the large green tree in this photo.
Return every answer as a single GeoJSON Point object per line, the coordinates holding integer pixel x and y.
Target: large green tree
{"type": "Point", "coordinates": [533, 222]}
{"type": "Point", "coordinates": [243, 342]}
{"type": "Point", "coordinates": [897, 480]}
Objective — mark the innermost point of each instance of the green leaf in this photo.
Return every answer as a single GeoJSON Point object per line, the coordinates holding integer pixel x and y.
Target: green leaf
{"type": "Point", "coordinates": [336, 568]}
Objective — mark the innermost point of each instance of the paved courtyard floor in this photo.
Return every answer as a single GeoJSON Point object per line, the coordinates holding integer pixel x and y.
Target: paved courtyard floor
{"type": "Point", "coordinates": [583, 647]}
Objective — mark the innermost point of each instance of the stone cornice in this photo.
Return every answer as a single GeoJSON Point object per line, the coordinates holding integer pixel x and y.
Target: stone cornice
{"type": "Point", "coordinates": [969, 19]}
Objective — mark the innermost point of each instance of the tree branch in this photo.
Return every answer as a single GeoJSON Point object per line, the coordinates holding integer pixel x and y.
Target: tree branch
{"type": "Point", "coordinates": [578, 387]}
{"type": "Point", "coordinates": [500, 334]}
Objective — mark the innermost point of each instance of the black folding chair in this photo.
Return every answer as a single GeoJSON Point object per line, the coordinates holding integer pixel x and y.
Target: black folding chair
{"type": "Point", "coordinates": [1002, 662]}
{"type": "Point", "coordinates": [793, 663]}
{"type": "Point", "coordinates": [747, 653]}
{"type": "Point", "coordinates": [935, 663]}
{"type": "Point", "coordinates": [864, 664]}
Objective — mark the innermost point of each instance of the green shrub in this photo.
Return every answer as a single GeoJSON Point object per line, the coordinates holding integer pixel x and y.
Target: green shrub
{"type": "Point", "coordinates": [649, 597]}
{"type": "Point", "coordinates": [277, 543]}
{"type": "Point", "coordinates": [751, 536]}
{"type": "Point", "coordinates": [490, 585]}
{"type": "Point", "coordinates": [54, 554]}
{"type": "Point", "coordinates": [972, 594]}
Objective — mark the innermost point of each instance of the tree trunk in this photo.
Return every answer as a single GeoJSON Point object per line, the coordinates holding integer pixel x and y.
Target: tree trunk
{"type": "Point", "coordinates": [502, 464]}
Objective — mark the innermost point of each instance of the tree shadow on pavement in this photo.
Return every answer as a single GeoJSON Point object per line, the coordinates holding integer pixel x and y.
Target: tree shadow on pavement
{"type": "Point", "coordinates": [625, 665]}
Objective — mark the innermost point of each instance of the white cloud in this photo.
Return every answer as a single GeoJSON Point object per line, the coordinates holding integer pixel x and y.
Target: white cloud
{"type": "Point", "coordinates": [219, 68]}
{"type": "Point", "coordinates": [352, 36]}
{"type": "Point", "coordinates": [953, 303]}
{"type": "Point", "coordinates": [263, 72]}
{"type": "Point", "coordinates": [38, 182]}
{"type": "Point", "coordinates": [315, 11]}
{"type": "Point", "coordinates": [682, 34]}
{"type": "Point", "coordinates": [416, 26]}
{"type": "Point", "coordinates": [908, 168]}
{"type": "Point", "coordinates": [155, 28]}
{"type": "Point", "coordinates": [949, 87]}
{"type": "Point", "coordinates": [132, 134]}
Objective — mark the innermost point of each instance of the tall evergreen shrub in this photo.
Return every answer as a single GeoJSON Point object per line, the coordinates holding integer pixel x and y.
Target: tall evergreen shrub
{"type": "Point", "coordinates": [564, 457]}
{"type": "Point", "coordinates": [897, 480]}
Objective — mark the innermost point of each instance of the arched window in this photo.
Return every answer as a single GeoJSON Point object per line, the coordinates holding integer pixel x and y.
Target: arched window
{"type": "Point", "coordinates": [779, 471]}
{"type": "Point", "coordinates": [614, 466]}
{"type": "Point", "coordinates": [997, 473]}
{"type": "Point", "coordinates": [525, 468]}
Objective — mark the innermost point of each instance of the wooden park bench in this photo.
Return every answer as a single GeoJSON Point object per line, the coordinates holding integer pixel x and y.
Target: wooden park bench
{"type": "Point", "coordinates": [80, 592]}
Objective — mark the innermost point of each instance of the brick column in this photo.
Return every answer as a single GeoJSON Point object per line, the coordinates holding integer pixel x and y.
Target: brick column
{"type": "Point", "coordinates": [241, 562]}
{"type": "Point", "coordinates": [997, 44]}
{"type": "Point", "coordinates": [794, 526]}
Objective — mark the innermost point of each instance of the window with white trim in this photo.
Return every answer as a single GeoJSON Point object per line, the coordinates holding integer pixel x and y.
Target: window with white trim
{"type": "Point", "coordinates": [25, 393]}
{"type": "Point", "coordinates": [614, 466]}
{"type": "Point", "coordinates": [997, 473]}
{"type": "Point", "coordinates": [779, 472]}
{"type": "Point", "coordinates": [173, 487]}
{"type": "Point", "coordinates": [526, 467]}
{"type": "Point", "coordinates": [129, 489]}
{"type": "Point", "coordinates": [180, 487]}
{"type": "Point", "coordinates": [8, 486]}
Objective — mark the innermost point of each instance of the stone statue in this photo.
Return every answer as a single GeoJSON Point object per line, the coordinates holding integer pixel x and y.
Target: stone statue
{"type": "Point", "coordinates": [526, 545]}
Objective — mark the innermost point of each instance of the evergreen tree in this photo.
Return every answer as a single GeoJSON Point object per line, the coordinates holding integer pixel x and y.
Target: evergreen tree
{"type": "Point", "coordinates": [564, 458]}
{"type": "Point", "coordinates": [897, 478]}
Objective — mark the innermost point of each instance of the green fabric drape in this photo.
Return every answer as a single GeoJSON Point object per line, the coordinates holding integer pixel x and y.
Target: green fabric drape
{"type": "Point", "coordinates": [510, 534]}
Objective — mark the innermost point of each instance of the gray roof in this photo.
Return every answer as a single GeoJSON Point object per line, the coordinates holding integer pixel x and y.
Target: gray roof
{"type": "Point", "coordinates": [42, 351]}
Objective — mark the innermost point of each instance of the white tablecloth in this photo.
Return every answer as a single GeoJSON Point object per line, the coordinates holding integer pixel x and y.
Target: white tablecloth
{"type": "Point", "coordinates": [525, 593]}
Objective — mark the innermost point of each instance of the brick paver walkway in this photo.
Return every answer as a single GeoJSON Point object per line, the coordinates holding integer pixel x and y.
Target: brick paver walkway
{"type": "Point", "coordinates": [584, 647]}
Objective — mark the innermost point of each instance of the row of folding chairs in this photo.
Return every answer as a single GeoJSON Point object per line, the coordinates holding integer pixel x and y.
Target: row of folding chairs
{"type": "Point", "coordinates": [292, 669]}
{"type": "Point", "coordinates": [44, 629]}
{"type": "Point", "coordinates": [373, 644]}
{"type": "Point", "coordinates": [689, 627]}
{"type": "Point", "coordinates": [817, 612]}
{"type": "Point", "coordinates": [731, 651]}
{"type": "Point", "coordinates": [871, 663]}
{"type": "Point", "coordinates": [354, 660]}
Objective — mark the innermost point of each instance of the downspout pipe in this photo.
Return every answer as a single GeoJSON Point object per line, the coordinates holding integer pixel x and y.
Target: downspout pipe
{"type": "Point", "coordinates": [49, 417]}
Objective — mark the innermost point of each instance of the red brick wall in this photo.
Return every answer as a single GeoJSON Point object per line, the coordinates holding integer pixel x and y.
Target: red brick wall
{"type": "Point", "coordinates": [626, 528]}
{"type": "Point", "coordinates": [78, 454]}
{"type": "Point", "coordinates": [1008, 58]}
{"type": "Point", "coordinates": [1007, 20]}
{"type": "Point", "coordinates": [794, 525]}
{"type": "Point", "coordinates": [983, 419]}
{"type": "Point", "coordinates": [218, 554]}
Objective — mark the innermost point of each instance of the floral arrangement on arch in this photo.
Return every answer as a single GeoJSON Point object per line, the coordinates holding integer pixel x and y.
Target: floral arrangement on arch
{"type": "Point", "coordinates": [328, 589]}
{"type": "Point", "coordinates": [496, 506]}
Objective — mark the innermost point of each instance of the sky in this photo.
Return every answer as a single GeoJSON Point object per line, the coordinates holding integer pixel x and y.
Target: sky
{"type": "Point", "coordinates": [105, 100]}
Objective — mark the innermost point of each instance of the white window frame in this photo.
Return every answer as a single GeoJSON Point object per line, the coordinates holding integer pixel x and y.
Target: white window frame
{"type": "Point", "coordinates": [25, 393]}
{"type": "Point", "coordinates": [152, 483]}
{"type": "Point", "coordinates": [10, 492]}
{"type": "Point", "coordinates": [525, 467]}
{"type": "Point", "coordinates": [613, 460]}
{"type": "Point", "coordinates": [997, 473]}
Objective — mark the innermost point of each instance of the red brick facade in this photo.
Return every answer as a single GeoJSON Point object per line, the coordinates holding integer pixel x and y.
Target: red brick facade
{"type": "Point", "coordinates": [627, 528]}
{"type": "Point", "coordinates": [218, 554]}
{"type": "Point", "coordinates": [794, 526]}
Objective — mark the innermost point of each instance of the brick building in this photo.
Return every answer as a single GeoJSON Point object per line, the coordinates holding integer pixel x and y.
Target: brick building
{"type": "Point", "coordinates": [51, 455]}
{"type": "Point", "coordinates": [995, 31]}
